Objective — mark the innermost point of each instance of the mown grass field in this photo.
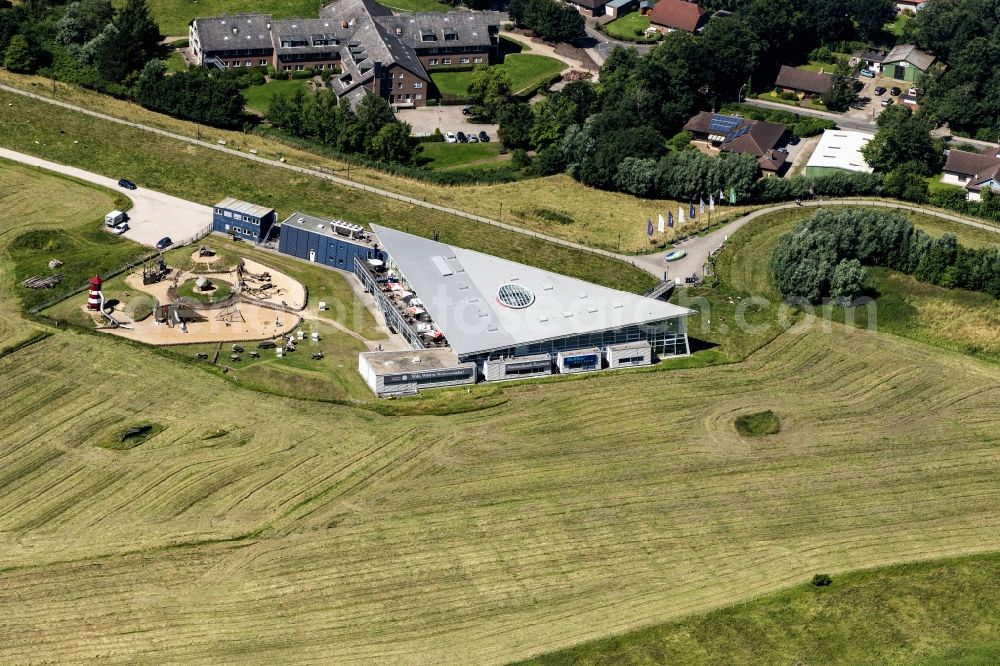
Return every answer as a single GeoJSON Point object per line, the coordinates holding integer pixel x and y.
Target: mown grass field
{"type": "Point", "coordinates": [599, 218]}
{"type": "Point", "coordinates": [452, 155]}
{"type": "Point", "coordinates": [205, 175]}
{"type": "Point", "coordinates": [260, 529]}
{"type": "Point", "coordinates": [924, 613]}
{"type": "Point", "coordinates": [625, 27]}
{"type": "Point", "coordinates": [526, 70]}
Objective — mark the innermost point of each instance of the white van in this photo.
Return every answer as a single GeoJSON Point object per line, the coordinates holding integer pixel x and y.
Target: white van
{"type": "Point", "coordinates": [114, 218]}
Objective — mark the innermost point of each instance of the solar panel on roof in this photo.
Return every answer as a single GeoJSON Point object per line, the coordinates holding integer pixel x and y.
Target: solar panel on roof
{"type": "Point", "coordinates": [740, 132]}
{"type": "Point", "coordinates": [723, 124]}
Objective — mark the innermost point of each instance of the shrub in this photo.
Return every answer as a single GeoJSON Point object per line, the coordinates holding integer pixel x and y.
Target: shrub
{"type": "Point", "coordinates": [758, 424]}
{"type": "Point", "coordinates": [180, 43]}
{"type": "Point", "coordinates": [141, 310]}
{"type": "Point", "coordinates": [432, 102]}
{"type": "Point", "coordinates": [821, 580]}
{"type": "Point", "coordinates": [303, 74]}
{"type": "Point", "coordinates": [823, 54]}
{"type": "Point", "coordinates": [680, 141]}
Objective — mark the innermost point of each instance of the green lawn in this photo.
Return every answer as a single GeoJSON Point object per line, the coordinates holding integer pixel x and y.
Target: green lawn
{"type": "Point", "coordinates": [526, 71]}
{"type": "Point", "coordinates": [896, 27]}
{"type": "Point", "coordinates": [418, 6]}
{"type": "Point", "coordinates": [258, 98]}
{"type": "Point", "coordinates": [450, 155]}
{"type": "Point", "coordinates": [175, 62]}
{"type": "Point", "coordinates": [931, 613]}
{"type": "Point", "coordinates": [625, 27]}
{"type": "Point", "coordinates": [820, 66]}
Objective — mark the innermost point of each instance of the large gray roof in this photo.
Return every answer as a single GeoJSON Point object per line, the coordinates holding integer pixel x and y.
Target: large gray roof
{"type": "Point", "coordinates": [238, 31]}
{"type": "Point", "coordinates": [911, 54]}
{"type": "Point", "coordinates": [459, 287]}
{"type": "Point", "coordinates": [466, 28]}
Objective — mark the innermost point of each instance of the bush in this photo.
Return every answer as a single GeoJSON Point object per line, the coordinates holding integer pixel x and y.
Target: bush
{"type": "Point", "coordinates": [303, 74]}
{"type": "Point", "coordinates": [432, 102]}
{"type": "Point", "coordinates": [680, 141]}
{"type": "Point", "coordinates": [788, 96]}
{"type": "Point", "coordinates": [821, 580]}
{"type": "Point", "coordinates": [758, 424]}
{"type": "Point", "coordinates": [520, 160]}
{"type": "Point", "coordinates": [436, 137]}
{"type": "Point", "coordinates": [180, 43]}
{"type": "Point", "coordinates": [823, 54]}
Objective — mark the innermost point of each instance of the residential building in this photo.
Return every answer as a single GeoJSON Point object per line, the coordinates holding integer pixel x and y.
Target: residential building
{"type": "Point", "coordinates": [670, 15]}
{"type": "Point", "coordinates": [973, 171]}
{"type": "Point", "coordinates": [909, 5]}
{"type": "Point", "coordinates": [906, 63]}
{"type": "Point", "coordinates": [241, 219]}
{"type": "Point", "coordinates": [839, 150]}
{"type": "Point", "coordinates": [803, 81]}
{"type": "Point", "coordinates": [372, 50]}
{"type": "Point", "coordinates": [616, 8]}
{"type": "Point", "coordinates": [501, 319]}
{"type": "Point", "coordinates": [734, 134]}
{"type": "Point", "coordinates": [870, 59]}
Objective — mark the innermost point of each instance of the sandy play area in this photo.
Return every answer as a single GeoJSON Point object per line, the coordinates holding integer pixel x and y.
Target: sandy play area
{"type": "Point", "coordinates": [247, 318]}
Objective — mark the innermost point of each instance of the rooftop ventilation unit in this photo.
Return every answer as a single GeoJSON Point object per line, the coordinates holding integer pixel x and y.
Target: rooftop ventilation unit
{"type": "Point", "coordinates": [591, 309]}
{"type": "Point", "coordinates": [347, 229]}
{"type": "Point", "coordinates": [441, 265]}
{"type": "Point", "coordinates": [416, 359]}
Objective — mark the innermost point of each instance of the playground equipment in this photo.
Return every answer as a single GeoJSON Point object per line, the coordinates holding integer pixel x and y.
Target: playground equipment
{"type": "Point", "coordinates": [95, 301]}
{"type": "Point", "coordinates": [154, 271]}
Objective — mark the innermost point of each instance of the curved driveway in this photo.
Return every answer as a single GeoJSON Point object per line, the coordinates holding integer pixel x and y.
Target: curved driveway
{"type": "Point", "coordinates": [153, 214]}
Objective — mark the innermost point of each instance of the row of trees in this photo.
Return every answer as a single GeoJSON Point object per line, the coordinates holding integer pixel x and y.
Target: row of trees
{"type": "Point", "coordinates": [548, 19]}
{"type": "Point", "coordinates": [197, 95]}
{"type": "Point", "coordinates": [966, 35]}
{"type": "Point", "coordinates": [372, 130]}
{"type": "Point", "coordinates": [823, 256]}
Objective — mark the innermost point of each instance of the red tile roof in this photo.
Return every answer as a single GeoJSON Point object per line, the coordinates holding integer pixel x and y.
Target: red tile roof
{"type": "Point", "coordinates": [677, 14]}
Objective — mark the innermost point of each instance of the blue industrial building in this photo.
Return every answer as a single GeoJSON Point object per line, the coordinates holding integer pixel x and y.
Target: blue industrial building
{"type": "Point", "coordinates": [241, 219]}
{"type": "Point", "coordinates": [333, 243]}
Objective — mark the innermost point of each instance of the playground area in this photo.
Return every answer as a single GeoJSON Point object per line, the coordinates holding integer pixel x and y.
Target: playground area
{"type": "Point", "coordinates": [163, 305]}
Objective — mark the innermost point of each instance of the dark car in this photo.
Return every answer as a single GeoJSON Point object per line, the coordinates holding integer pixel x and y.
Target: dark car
{"type": "Point", "coordinates": [887, 102]}
{"type": "Point", "coordinates": [466, 110]}
{"type": "Point", "coordinates": [879, 90]}
{"type": "Point", "coordinates": [484, 137]}
{"type": "Point", "coordinates": [164, 243]}
{"type": "Point", "coordinates": [793, 140]}
{"type": "Point", "coordinates": [894, 91]}
{"type": "Point", "coordinates": [127, 184]}
{"type": "Point", "coordinates": [462, 138]}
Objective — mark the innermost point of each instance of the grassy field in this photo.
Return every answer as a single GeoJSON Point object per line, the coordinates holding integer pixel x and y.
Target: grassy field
{"type": "Point", "coordinates": [260, 529]}
{"type": "Point", "coordinates": [51, 218]}
{"type": "Point", "coordinates": [175, 62]}
{"type": "Point", "coordinates": [452, 155]}
{"type": "Point", "coordinates": [924, 613]}
{"type": "Point", "coordinates": [258, 98]}
{"type": "Point", "coordinates": [173, 167]}
{"type": "Point", "coordinates": [526, 70]}
{"type": "Point", "coordinates": [625, 27]}
{"type": "Point", "coordinates": [599, 217]}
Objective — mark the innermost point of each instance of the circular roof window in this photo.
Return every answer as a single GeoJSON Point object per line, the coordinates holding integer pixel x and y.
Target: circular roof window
{"type": "Point", "coordinates": [515, 296]}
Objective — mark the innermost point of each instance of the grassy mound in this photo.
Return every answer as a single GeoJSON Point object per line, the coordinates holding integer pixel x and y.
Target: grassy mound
{"type": "Point", "coordinates": [221, 291]}
{"type": "Point", "coordinates": [758, 424]}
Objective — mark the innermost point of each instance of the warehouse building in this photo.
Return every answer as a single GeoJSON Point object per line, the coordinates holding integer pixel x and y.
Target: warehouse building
{"type": "Point", "coordinates": [839, 150]}
{"type": "Point", "coordinates": [507, 320]}
{"type": "Point", "coordinates": [241, 219]}
{"type": "Point", "coordinates": [333, 243]}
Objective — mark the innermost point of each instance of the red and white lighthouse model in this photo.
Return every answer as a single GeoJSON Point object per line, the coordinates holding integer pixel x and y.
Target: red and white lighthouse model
{"type": "Point", "coordinates": [94, 295]}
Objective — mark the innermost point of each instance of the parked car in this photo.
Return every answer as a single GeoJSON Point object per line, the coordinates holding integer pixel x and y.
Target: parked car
{"type": "Point", "coordinates": [449, 137]}
{"type": "Point", "coordinates": [895, 91]}
{"type": "Point", "coordinates": [484, 137]}
{"type": "Point", "coordinates": [879, 90]}
{"type": "Point", "coordinates": [793, 140]}
{"type": "Point", "coordinates": [467, 110]}
{"type": "Point", "coordinates": [127, 184]}
{"type": "Point", "coordinates": [867, 73]}
{"type": "Point", "coordinates": [120, 229]}
{"type": "Point", "coordinates": [164, 243]}
{"type": "Point", "coordinates": [462, 138]}
{"type": "Point", "coordinates": [912, 91]}
{"type": "Point", "coordinates": [887, 102]}
{"type": "Point", "coordinates": [473, 138]}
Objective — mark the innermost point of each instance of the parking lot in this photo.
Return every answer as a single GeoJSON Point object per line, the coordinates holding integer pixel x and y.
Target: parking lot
{"type": "Point", "coordinates": [449, 118]}
{"type": "Point", "coordinates": [869, 104]}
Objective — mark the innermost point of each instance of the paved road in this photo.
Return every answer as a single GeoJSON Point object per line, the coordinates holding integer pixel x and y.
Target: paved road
{"type": "Point", "coordinates": [700, 247]}
{"type": "Point", "coordinates": [153, 214]}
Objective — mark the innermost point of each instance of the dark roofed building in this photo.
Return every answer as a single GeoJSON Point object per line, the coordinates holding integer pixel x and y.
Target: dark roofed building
{"type": "Point", "coordinates": [670, 15]}
{"type": "Point", "coordinates": [795, 80]}
{"type": "Point", "coordinates": [733, 134]}
{"type": "Point", "coordinates": [376, 51]}
{"type": "Point", "coordinates": [973, 171]}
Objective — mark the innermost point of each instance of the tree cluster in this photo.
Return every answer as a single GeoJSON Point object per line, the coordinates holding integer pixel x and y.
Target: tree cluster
{"type": "Point", "coordinates": [823, 256]}
{"type": "Point", "coordinates": [966, 35]}
{"type": "Point", "coordinates": [549, 19]}
{"type": "Point", "coordinates": [212, 98]}
{"type": "Point", "coordinates": [372, 130]}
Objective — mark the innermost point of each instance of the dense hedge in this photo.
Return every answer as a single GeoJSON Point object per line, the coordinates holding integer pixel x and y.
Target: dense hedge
{"type": "Point", "coordinates": [821, 257]}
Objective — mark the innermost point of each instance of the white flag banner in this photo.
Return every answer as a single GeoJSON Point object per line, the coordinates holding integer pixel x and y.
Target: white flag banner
{"type": "Point", "coordinates": [660, 224]}
{"type": "Point", "coordinates": [711, 202]}
{"type": "Point", "coordinates": [680, 215]}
